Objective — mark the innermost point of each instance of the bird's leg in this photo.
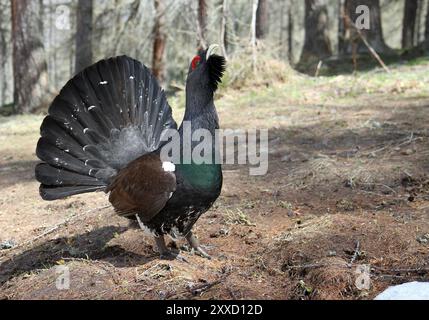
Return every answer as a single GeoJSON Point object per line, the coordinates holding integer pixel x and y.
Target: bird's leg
{"type": "Point", "coordinates": [162, 247]}
{"type": "Point", "coordinates": [195, 245]}
{"type": "Point", "coordinates": [164, 252]}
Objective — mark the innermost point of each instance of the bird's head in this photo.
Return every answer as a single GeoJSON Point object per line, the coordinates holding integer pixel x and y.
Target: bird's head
{"type": "Point", "coordinates": [206, 70]}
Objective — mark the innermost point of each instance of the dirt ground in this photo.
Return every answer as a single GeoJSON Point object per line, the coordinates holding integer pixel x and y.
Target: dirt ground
{"type": "Point", "coordinates": [347, 189]}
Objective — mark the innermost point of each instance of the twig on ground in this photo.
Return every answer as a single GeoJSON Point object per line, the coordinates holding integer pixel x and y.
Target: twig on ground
{"type": "Point", "coordinates": [105, 265]}
{"type": "Point", "coordinates": [54, 228]}
{"type": "Point", "coordinates": [405, 141]}
{"type": "Point", "coordinates": [355, 254]}
{"type": "Point", "coordinates": [365, 41]}
{"type": "Point", "coordinates": [198, 290]}
{"type": "Point", "coordinates": [319, 66]}
{"type": "Point", "coordinates": [348, 266]}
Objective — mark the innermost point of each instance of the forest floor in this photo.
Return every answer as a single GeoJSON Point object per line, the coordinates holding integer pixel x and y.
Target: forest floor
{"type": "Point", "coordinates": [347, 189]}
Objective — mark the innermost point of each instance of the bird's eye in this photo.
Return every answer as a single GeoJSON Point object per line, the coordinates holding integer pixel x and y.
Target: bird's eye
{"type": "Point", "coordinates": [195, 62]}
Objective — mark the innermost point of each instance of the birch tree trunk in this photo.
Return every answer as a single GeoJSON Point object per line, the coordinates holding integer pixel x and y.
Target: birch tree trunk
{"type": "Point", "coordinates": [29, 61]}
{"type": "Point", "coordinates": [253, 34]}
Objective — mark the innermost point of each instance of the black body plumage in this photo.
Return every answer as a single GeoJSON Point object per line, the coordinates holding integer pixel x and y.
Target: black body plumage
{"type": "Point", "coordinates": [104, 132]}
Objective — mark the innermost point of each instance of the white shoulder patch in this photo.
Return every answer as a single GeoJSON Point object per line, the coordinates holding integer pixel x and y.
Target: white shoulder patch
{"type": "Point", "coordinates": [168, 166]}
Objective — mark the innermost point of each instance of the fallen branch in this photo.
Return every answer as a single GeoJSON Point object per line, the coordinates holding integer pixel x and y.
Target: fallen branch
{"type": "Point", "coordinates": [350, 265]}
{"type": "Point", "coordinates": [355, 254]}
{"type": "Point", "coordinates": [54, 228]}
{"type": "Point", "coordinates": [371, 49]}
{"type": "Point", "coordinates": [391, 145]}
{"type": "Point", "coordinates": [199, 289]}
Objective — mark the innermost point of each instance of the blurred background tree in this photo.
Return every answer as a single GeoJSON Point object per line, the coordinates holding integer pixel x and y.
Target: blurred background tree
{"type": "Point", "coordinates": [29, 58]}
{"type": "Point", "coordinates": [84, 18]}
{"type": "Point", "coordinates": [45, 42]}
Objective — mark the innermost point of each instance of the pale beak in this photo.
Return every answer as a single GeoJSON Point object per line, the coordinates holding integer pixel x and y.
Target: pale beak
{"type": "Point", "coordinates": [211, 50]}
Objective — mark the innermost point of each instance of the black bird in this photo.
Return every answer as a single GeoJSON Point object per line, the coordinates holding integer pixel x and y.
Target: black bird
{"type": "Point", "coordinates": [105, 130]}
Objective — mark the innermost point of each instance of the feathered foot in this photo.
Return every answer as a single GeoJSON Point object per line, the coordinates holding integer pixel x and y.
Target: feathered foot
{"type": "Point", "coordinates": [195, 245]}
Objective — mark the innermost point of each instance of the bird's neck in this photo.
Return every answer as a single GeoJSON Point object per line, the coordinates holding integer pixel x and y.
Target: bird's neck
{"type": "Point", "coordinates": [200, 113]}
{"type": "Point", "coordinates": [199, 105]}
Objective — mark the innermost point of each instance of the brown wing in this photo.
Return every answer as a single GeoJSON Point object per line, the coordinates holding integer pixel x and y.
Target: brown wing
{"type": "Point", "coordinates": [142, 187]}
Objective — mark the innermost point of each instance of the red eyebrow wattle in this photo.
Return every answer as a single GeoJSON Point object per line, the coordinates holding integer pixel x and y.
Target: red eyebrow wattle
{"type": "Point", "coordinates": [195, 62]}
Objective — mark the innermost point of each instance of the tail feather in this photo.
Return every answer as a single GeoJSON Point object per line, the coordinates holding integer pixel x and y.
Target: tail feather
{"type": "Point", "coordinates": [54, 193]}
{"type": "Point", "coordinates": [56, 135]}
{"type": "Point", "coordinates": [59, 158]}
{"type": "Point", "coordinates": [110, 75]}
{"type": "Point", "coordinates": [105, 117]}
{"type": "Point", "coordinates": [52, 176]}
{"type": "Point", "coordinates": [124, 72]}
{"type": "Point", "coordinates": [89, 98]}
{"type": "Point", "coordinates": [74, 104]}
{"type": "Point", "coordinates": [65, 117]}
{"type": "Point", "coordinates": [102, 89]}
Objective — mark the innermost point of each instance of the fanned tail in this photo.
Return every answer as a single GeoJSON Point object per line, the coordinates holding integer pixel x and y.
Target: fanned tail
{"type": "Point", "coordinates": [105, 117]}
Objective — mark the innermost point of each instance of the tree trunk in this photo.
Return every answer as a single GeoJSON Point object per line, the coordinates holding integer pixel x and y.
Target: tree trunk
{"type": "Point", "coordinates": [290, 35]}
{"type": "Point", "coordinates": [224, 29]}
{"type": "Point", "coordinates": [29, 61]}
{"type": "Point", "coordinates": [84, 15]}
{"type": "Point", "coordinates": [317, 44]}
{"type": "Point", "coordinates": [3, 53]}
{"type": "Point", "coordinates": [417, 33]}
{"type": "Point", "coordinates": [282, 45]}
{"type": "Point", "coordinates": [262, 19]}
{"type": "Point", "coordinates": [202, 24]}
{"type": "Point", "coordinates": [342, 28]}
{"type": "Point", "coordinates": [374, 35]}
{"type": "Point", "coordinates": [158, 67]}
{"type": "Point", "coordinates": [409, 24]}
{"type": "Point", "coordinates": [253, 34]}
{"type": "Point", "coordinates": [427, 29]}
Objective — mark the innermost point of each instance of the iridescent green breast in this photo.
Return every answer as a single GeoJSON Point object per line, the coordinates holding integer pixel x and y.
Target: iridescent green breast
{"type": "Point", "coordinates": [205, 177]}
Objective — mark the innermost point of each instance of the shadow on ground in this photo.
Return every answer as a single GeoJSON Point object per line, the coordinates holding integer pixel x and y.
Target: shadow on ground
{"type": "Point", "coordinates": [15, 172]}
{"type": "Point", "coordinates": [90, 245]}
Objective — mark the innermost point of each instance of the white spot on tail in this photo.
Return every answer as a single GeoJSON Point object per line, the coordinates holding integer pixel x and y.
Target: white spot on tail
{"type": "Point", "coordinates": [168, 166]}
{"type": "Point", "coordinates": [132, 77]}
{"type": "Point", "coordinates": [104, 82]}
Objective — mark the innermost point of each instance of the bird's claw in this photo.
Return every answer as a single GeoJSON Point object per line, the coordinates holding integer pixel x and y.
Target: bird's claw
{"type": "Point", "coordinates": [173, 256]}
{"type": "Point", "coordinates": [200, 252]}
